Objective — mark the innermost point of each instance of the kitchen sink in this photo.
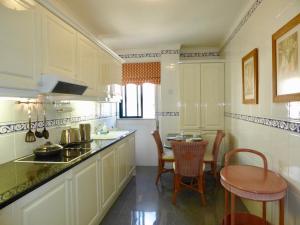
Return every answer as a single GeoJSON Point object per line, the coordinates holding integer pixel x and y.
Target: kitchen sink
{"type": "Point", "coordinates": [111, 135]}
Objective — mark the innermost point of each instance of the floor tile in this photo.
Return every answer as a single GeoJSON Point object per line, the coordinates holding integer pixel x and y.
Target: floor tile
{"type": "Point", "coordinates": [144, 203]}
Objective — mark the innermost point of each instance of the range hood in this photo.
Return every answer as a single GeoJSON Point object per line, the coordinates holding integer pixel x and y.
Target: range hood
{"type": "Point", "coordinates": [61, 85]}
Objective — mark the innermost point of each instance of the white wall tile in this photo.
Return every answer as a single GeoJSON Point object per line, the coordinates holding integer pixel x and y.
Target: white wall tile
{"type": "Point", "coordinates": [281, 147]}
{"type": "Point", "coordinates": [7, 151]}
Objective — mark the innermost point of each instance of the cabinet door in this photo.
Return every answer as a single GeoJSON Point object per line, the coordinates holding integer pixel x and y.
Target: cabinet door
{"type": "Point", "coordinates": [131, 154]}
{"type": "Point", "coordinates": [108, 177]}
{"type": "Point", "coordinates": [19, 43]}
{"type": "Point", "coordinates": [7, 216]}
{"type": "Point", "coordinates": [122, 156]}
{"type": "Point", "coordinates": [115, 71]}
{"type": "Point", "coordinates": [85, 196]}
{"type": "Point", "coordinates": [101, 86]}
{"type": "Point", "coordinates": [212, 96]}
{"type": "Point", "coordinates": [87, 63]}
{"type": "Point", "coordinates": [190, 96]}
{"type": "Point", "coordinates": [48, 205]}
{"type": "Point", "coordinates": [59, 46]}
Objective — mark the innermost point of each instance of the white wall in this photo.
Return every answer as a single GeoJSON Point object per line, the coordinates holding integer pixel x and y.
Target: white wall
{"type": "Point", "coordinates": [280, 146]}
{"type": "Point", "coordinates": [145, 148]}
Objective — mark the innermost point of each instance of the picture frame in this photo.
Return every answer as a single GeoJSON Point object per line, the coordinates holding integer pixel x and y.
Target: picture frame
{"type": "Point", "coordinates": [286, 62]}
{"type": "Point", "coordinates": [250, 77]}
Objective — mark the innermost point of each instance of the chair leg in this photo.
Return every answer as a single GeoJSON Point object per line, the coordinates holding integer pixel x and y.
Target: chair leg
{"type": "Point", "coordinates": [201, 189]}
{"type": "Point", "coordinates": [159, 172]}
{"type": "Point", "coordinates": [214, 169]}
{"type": "Point", "coordinates": [157, 177]}
{"type": "Point", "coordinates": [176, 188]}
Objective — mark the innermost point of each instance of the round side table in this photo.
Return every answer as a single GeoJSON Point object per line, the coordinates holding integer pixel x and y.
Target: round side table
{"type": "Point", "coordinates": [254, 183]}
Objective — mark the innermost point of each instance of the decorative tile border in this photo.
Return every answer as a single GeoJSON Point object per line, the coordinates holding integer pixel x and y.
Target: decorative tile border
{"type": "Point", "coordinates": [276, 123]}
{"type": "Point", "coordinates": [140, 55]}
{"type": "Point", "coordinates": [149, 54]}
{"type": "Point", "coordinates": [163, 114]}
{"type": "Point", "coordinates": [199, 54]}
{"type": "Point", "coordinates": [242, 22]}
{"type": "Point", "coordinates": [170, 52]}
{"type": "Point", "coordinates": [18, 127]}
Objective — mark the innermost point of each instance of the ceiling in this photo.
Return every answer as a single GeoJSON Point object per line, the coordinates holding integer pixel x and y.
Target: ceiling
{"type": "Point", "coordinates": [124, 24]}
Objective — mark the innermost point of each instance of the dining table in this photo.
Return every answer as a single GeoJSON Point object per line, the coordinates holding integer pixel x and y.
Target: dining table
{"type": "Point", "coordinates": [181, 137]}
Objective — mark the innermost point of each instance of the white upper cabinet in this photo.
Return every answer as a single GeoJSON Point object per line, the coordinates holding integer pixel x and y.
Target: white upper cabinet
{"type": "Point", "coordinates": [35, 42]}
{"type": "Point", "coordinates": [87, 63]}
{"type": "Point", "coordinates": [101, 87]}
{"type": "Point", "coordinates": [19, 42]}
{"type": "Point", "coordinates": [212, 96]}
{"type": "Point", "coordinates": [190, 96]}
{"type": "Point", "coordinates": [202, 96]}
{"type": "Point", "coordinates": [59, 46]}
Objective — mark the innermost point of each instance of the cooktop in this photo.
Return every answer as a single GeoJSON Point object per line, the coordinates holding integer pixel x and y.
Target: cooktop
{"type": "Point", "coordinates": [67, 155]}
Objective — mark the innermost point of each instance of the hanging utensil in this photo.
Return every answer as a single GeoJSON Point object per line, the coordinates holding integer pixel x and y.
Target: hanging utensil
{"type": "Point", "coordinates": [37, 133]}
{"type": "Point", "coordinates": [29, 137]}
{"type": "Point", "coordinates": [45, 132]}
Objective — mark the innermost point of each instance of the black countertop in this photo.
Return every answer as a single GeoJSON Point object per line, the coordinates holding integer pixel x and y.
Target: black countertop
{"type": "Point", "coordinates": [19, 178]}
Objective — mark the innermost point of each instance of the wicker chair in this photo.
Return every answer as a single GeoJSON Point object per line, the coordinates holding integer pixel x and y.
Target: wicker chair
{"type": "Point", "coordinates": [164, 156]}
{"type": "Point", "coordinates": [212, 157]}
{"type": "Point", "coordinates": [189, 163]}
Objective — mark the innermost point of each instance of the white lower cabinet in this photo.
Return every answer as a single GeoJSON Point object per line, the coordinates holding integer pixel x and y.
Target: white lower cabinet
{"type": "Point", "coordinates": [108, 176]}
{"type": "Point", "coordinates": [122, 156]}
{"type": "Point", "coordinates": [80, 196]}
{"type": "Point", "coordinates": [85, 192]}
{"type": "Point", "coordinates": [48, 205]}
{"type": "Point", "coordinates": [131, 155]}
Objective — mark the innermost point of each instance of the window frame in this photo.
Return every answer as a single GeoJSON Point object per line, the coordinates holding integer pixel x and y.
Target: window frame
{"type": "Point", "coordinates": [122, 102]}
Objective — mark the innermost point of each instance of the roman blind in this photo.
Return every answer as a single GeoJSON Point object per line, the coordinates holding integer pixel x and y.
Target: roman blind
{"type": "Point", "coordinates": [139, 73]}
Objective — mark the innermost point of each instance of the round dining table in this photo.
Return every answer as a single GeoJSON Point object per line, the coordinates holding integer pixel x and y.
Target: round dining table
{"type": "Point", "coordinates": [254, 183]}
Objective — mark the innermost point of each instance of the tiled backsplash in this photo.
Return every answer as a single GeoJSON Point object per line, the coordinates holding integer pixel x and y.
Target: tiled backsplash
{"type": "Point", "coordinates": [14, 122]}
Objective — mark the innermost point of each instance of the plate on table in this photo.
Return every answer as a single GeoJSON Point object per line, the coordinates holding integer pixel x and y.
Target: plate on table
{"type": "Point", "coordinates": [197, 139]}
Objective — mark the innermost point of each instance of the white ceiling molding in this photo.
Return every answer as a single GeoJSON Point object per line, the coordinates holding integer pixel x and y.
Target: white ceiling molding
{"type": "Point", "coordinates": [242, 22]}
{"type": "Point", "coordinates": [57, 10]}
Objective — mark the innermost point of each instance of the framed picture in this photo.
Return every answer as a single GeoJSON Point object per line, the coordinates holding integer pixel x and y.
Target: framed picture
{"type": "Point", "coordinates": [250, 77]}
{"type": "Point", "coordinates": [286, 62]}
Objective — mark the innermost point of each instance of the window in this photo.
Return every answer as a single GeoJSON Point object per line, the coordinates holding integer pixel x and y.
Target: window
{"type": "Point", "coordinates": [138, 101]}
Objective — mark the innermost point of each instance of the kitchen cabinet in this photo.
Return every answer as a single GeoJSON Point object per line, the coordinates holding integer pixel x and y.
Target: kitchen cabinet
{"type": "Point", "coordinates": [80, 196]}
{"type": "Point", "coordinates": [48, 205]}
{"type": "Point", "coordinates": [7, 216]}
{"type": "Point", "coordinates": [131, 155]}
{"type": "Point", "coordinates": [110, 75]}
{"type": "Point", "coordinates": [85, 192]}
{"type": "Point", "coordinates": [87, 64]}
{"type": "Point", "coordinates": [212, 96]}
{"type": "Point", "coordinates": [202, 96]}
{"type": "Point", "coordinates": [122, 151]}
{"type": "Point", "coordinates": [35, 42]}
{"type": "Point", "coordinates": [59, 46]}
{"type": "Point", "coordinates": [108, 177]}
{"type": "Point", "coordinates": [190, 96]}
{"type": "Point", "coordinates": [19, 44]}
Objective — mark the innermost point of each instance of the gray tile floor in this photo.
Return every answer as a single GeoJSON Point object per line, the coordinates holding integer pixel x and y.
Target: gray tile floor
{"type": "Point", "coordinates": [142, 203]}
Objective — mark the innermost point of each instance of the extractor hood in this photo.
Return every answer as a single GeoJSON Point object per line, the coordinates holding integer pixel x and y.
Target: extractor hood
{"type": "Point", "coordinates": [61, 85]}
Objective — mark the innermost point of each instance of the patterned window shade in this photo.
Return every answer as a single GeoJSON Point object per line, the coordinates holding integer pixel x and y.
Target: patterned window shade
{"type": "Point", "coordinates": [139, 73]}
